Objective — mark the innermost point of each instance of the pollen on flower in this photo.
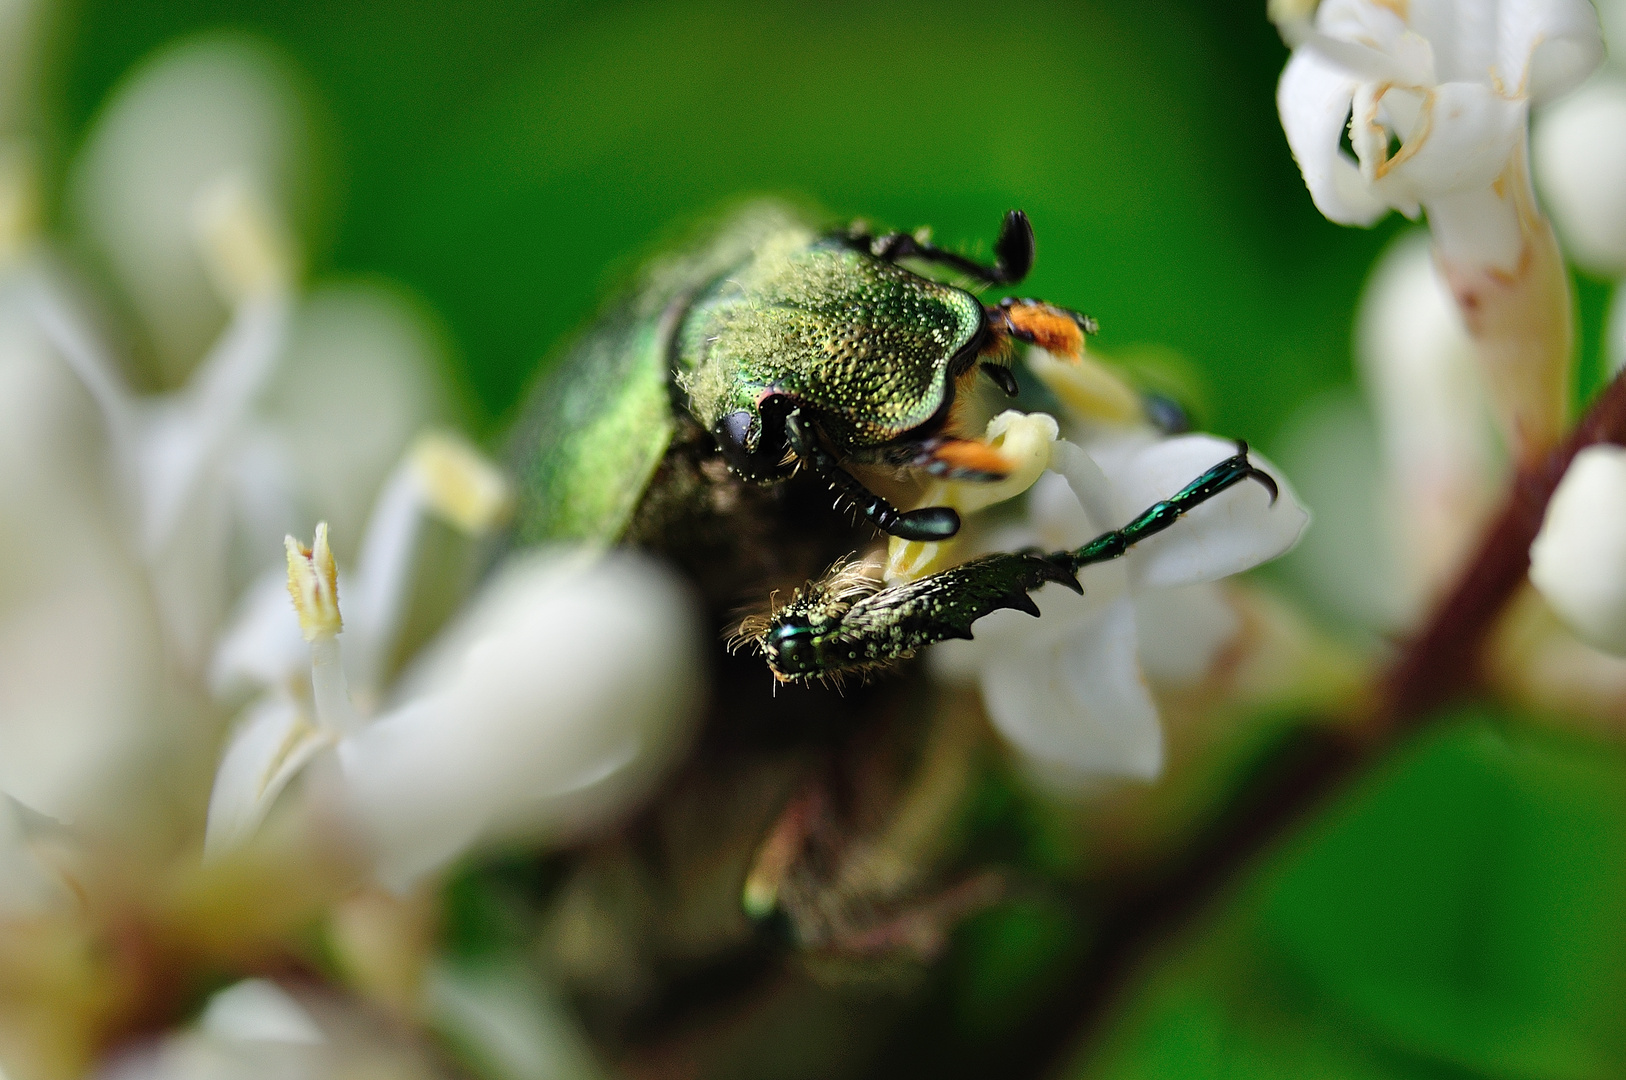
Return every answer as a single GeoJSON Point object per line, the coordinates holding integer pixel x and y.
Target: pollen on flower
{"type": "Point", "coordinates": [461, 484]}
{"type": "Point", "coordinates": [245, 250]}
{"type": "Point", "coordinates": [314, 586]}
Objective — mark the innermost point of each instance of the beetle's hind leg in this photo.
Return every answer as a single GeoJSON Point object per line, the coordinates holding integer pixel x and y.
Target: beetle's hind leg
{"type": "Point", "coordinates": [1013, 251]}
{"type": "Point", "coordinates": [926, 524]}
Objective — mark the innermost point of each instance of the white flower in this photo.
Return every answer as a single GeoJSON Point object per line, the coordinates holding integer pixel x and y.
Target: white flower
{"type": "Point", "coordinates": [257, 1030]}
{"type": "Point", "coordinates": [1450, 80]}
{"type": "Point", "coordinates": [1069, 690]}
{"type": "Point", "coordinates": [1436, 95]}
{"type": "Point", "coordinates": [1578, 560]}
{"type": "Point", "coordinates": [551, 704]}
{"type": "Point", "coordinates": [131, 521]}
{"type": "Point", "coordinates": [1440, 462]}
{"type": "Point", "coordinates": [1580, 161]}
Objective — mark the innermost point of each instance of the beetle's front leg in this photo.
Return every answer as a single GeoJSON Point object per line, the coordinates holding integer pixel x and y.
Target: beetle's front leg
{"type": "Point", "coordinates": [846, 623]}
{"type": "Point", "coordinates": [926, 524]}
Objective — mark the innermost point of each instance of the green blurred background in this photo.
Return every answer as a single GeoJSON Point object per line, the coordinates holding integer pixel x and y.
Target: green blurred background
{"type": "Point", "coordinates": [504, 158]}
{"type": "Point", "coordinates": [507, 159]}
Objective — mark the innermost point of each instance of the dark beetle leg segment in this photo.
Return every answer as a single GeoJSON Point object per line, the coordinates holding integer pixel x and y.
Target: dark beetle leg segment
{"type": "Point", "coordinates": [1228, 473]}
{"type": "Point", "coordinates": [926, 524]}
{"type": "Point", "coordinates": [1002, 377]}
{"type": "Point", "coordinates": [1013, 252]}
{"type": "Point", "coordinates": [820, 634]}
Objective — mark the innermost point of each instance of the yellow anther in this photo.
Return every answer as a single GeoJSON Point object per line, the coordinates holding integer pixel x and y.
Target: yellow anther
{"type": "Point", "coordinates": [459, 483]}
{"type": "Point", "coordinates": [313, 583]}
{"type": "Point", "coordinates": [1089, 389]}
{"type": "Point", "coordinates": [244, 247]}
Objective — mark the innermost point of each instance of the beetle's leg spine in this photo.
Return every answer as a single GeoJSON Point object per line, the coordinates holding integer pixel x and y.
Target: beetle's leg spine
{"type": "Point", "coordinates": [1154, 519]}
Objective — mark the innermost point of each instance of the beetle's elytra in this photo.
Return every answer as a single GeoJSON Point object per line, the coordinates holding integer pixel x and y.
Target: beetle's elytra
{"type": "Point", "coordinates": [793, 348]}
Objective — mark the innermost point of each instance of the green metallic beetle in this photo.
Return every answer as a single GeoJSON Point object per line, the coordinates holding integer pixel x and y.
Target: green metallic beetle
{"type": "Point", "coordinates": [773, 347]}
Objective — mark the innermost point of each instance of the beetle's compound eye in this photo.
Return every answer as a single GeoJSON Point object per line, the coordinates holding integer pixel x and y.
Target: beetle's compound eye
{"type": "Point", "coordinates": [760, 462]}
{"type": "Point", "coordinates": [790, 646]}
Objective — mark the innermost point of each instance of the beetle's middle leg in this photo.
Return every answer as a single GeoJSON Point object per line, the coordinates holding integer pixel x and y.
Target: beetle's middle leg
{"type": "Point", "coordinates": [926, 524]}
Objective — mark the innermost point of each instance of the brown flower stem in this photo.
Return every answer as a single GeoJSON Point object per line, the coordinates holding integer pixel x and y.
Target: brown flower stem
{"type": "Point", "coordinates": [1442, 662]}
{"type": "Point", "coordinates": [1439, 665]}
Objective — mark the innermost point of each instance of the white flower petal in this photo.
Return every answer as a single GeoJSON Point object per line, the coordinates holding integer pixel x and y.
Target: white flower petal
{"type": "Point", "coordinates": [1578, 560]}
{"type": "Point", "coordinates": [1547, 47]}
{"type": "Point", "coordinates": [1349, 565]}
{"type": "Point", "coordinates": [24, 886]}
{"type": "Point", "coordinates": [262, 646]}
{"type": "Point", "coordinates": [1182, 631]}
{"type": "Point", "coordinates": [1579, 151]}
{"type": "Point", "coordinates": [1232, 532]}
{"type": "Point", "coordinates": [563, 693]}
{"type": "Point", "coordinates": [1462, 140]}
{"type": "Point", "coordinates": [197, 112]}
{"type": "Point", "coordinates": [360, 378]}
{"type": "Point", "coordinates": [273, 742]}
{"type": "Point", "coordinates": [80, 660]}
{"type": "Point", "coordinates": [1314, 99]}
{"type": "Point", "coordinates": [257, 1010]}
{"type": "Point", "coordinates": [1077, 708]}
{"type": "Point", "coordinates": [1099, 498]}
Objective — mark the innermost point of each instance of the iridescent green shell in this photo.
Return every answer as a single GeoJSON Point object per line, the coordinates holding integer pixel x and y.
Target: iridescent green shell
{"type": "Point", "coordinates": [598, 421]}
{"type": "Point", "coordinates": [869, 346]}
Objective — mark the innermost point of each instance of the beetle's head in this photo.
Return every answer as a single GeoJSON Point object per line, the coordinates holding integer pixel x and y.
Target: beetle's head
{"type": "Point", "coordinates": [790, 647]}
{"type": "Point", "coordinates": [753, 441]}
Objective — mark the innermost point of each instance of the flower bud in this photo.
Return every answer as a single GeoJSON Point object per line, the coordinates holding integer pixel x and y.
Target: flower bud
{"type": "Point", "coordinates": [1580, 162]}
{"type": "Point", "coordinates": [1578, 560]}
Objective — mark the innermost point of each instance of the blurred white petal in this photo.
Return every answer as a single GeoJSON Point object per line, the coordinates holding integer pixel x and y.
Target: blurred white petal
{"type": "Point", "coordinates": [360, 378]}
{"type": "Point", "coordinates": [1350, 563]}
{"type": "Point", "coordinates": [196, 112]}
{"type": "Point", "coordinates": [261, 647]}
{"type": "Point", "coordinates": [510, 1022]}
{"type": "Point", "coordinates": [562, 693]}
{"type": "Point", "coordinates": [273, 742]}
{"type": "Point", "coordinates": [1075, 706]}
{"type": "Point", "coordinates": [1547, 48]}
{"type": "Point", "coordinates": [24, 885]}
{"type": "Point", "coordinates": [1578, 560]}
{"type": "Point", "coordinates": [1182, 631]}
{"type": "Point", "coordinates": [257, 1010]}
{"type": "Point", "coordinates": [1580, 164]}
{"type": "Point", "coordinates": [80, 659]}
{"type": "Point", "coordinates": [1440, 461]}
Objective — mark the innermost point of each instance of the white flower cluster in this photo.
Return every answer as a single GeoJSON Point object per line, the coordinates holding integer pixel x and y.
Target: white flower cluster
{"type": "Point", "coordinates": [136, 522]}
{"type": "Point", "coordinates": [1436, 95]}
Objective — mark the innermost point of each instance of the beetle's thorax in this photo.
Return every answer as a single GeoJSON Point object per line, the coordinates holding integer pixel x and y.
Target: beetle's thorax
{"type": "Point", "coordinates": [868, 348]}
